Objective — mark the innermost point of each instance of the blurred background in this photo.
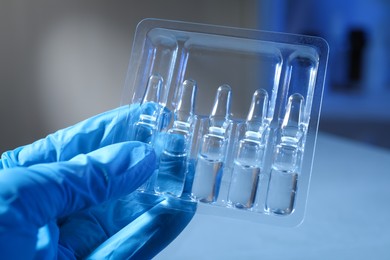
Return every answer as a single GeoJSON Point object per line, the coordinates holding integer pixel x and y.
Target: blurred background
{"type": "Point", "coordinates": [63, 61]}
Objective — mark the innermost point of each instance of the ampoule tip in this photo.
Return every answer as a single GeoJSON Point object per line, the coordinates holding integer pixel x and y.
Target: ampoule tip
{"type": "Point", "coordinates": [221, 109]}
{"type": "Point", "coordinates": [153, 89]}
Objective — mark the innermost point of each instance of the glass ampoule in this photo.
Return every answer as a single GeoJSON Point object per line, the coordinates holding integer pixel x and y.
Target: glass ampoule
{"type": "Point", "coordinates": [282, 186]}
{"type": "Point", "coordinates": [208, 172]}
{"type": "Point", "coordinates": [250, 153]}
{"type": "Point", "coordinates": [145, 128]}
{"type": "Point", "coordinates": [173, 160]}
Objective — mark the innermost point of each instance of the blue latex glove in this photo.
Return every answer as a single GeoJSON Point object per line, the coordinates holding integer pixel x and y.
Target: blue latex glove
{"type": "Point", "coordinates": [68, 195]}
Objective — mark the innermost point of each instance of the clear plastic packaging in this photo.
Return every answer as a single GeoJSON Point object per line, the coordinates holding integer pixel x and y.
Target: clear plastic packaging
{"type": "Point", "coordinates": [238, 111]}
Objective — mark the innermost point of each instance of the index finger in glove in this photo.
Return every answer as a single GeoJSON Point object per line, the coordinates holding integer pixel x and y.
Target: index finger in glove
{"type": "Point", "coordinates": [84, 137]}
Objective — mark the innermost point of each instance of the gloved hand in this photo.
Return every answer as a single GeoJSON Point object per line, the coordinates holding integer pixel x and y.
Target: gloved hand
{"type": "Point", "coordinates": [69, 195]}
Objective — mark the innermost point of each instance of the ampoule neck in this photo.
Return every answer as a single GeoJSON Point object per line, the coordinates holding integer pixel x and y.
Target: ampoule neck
{"type": "Point", "coordinates": [253, 135]}
{"type": "Point", "coordinates": [181, 126]}
{"type": "Point", "coordinates": [218, 131]}
{"type": "Point", "coordinates": [291, 137]}
{"type": "Point", "coordinates": [286, 157]}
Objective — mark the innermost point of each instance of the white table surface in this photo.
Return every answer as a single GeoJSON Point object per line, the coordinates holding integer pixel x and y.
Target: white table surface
{"type": "Point", "coordinates": [347, 215]}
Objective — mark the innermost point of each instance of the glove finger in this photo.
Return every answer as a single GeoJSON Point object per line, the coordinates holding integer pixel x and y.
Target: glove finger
{"type": "Point", "coordinates": [150, 230]}
{"type": "Point", "coordinates": [102, 221]}
{"type": "Point", "coordinates": [44, 192]}
{"type": "Point", "coordinates": [46, 248]}
{"type": "Point", "coordinates": [105, 220]}
{"type": "Point", "coordinates": [84, 137]}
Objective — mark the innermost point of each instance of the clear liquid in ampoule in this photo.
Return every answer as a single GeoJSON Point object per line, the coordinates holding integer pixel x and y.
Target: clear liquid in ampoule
{"type": "Point", "coordinates": [208, 176]}
{"type": "Point", "coordinates": [243, 186]}
{"type": "Point", "coordinates": [172, 173]}
{"type": "Point", "coordinates": [281, 191]}
{"type": "Point", "coordinates": [209, 167]}
{"type": "Point", "coordinates": [283, 182]}
{"type": "Point", "coordinates": [249, 157]}
{"type": "Point", "coordinates": [173, 165]}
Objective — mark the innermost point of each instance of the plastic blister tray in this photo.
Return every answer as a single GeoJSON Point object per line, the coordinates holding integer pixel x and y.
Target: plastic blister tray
{"type": "Point", "coordinates": [251, 154]}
